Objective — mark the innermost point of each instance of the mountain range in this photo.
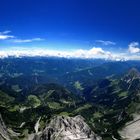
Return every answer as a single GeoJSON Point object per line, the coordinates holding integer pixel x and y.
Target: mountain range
{"type": "Point", "coordinates": [44, 98]}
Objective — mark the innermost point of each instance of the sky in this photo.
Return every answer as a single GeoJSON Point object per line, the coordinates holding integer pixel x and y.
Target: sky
{"type": "Point", "coordinates": [70, 28]}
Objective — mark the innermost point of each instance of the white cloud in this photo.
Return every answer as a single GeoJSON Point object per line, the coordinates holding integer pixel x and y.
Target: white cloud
{"type": "Point", "coordinates": [94, 52]}
{"type": "Point", "coordinates": [5, 35]}
{"type": "Point", "coordinates": [91, 53]}
{"type": "Point", "coordinates": [5, 32]}
{"type": "Point", "coordinates": [134, 47]}
{"type": "Point", "coordinates": [106, 43]}
{"type": "Point", "coordinates": [26, 40]}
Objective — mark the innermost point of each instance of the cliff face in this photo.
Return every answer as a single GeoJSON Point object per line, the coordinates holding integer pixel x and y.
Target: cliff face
{"type": "Point", "coordinates": [3, 131]}
{"type": "Point", "coordinates": [67, 128]}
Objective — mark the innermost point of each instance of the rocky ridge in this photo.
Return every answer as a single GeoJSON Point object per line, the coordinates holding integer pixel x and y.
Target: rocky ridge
{"type": "Point", "coordinates": [67, 128]}
{"type": "Point", "coordinates": [3, 130]}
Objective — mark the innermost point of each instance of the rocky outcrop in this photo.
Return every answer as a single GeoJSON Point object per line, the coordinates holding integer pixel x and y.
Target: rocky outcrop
{"type": "Point", "coordinates": [131, 130]}
{"type": "Point", "coordinates": [67, 128]}
{"type": "Point", "coordinates": [3, 130]}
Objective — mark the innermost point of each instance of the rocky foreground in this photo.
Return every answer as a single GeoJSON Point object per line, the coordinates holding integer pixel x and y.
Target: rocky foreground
{"type": "Point", "coordinates": [131, 130]}
{"type": "Point", "coordinates": [3, 130]}
{"type": "Point", "coordinates": [59, 128]}
{"type": "Point", "coordinates": [67, 128]}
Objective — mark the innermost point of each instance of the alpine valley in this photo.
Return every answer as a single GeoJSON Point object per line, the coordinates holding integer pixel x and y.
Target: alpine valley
{"type": "Point", "coordinates": [51, 98]}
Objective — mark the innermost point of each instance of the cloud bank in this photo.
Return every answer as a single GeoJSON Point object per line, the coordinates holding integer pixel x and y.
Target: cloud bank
{"type": "Point", "coordinates": [94, 52]}
{"type": "Point", "coordinates": [131, 53]}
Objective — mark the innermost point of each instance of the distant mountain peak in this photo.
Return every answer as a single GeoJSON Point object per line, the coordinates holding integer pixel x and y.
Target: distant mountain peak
{"type": "Point", "coordinates": [131, 75]}
{"type": "Point", "coordinates": [134, 72]}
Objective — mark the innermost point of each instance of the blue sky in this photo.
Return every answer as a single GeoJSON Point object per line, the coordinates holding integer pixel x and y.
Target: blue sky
{"type": "Point", "coordinates": [68, 25]}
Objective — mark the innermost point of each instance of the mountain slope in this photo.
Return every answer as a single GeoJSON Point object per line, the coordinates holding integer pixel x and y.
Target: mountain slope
{"type": "Point", "coordinates": [119, 98]}
{"type": "Point", "coordinates": [86, 77]}
{"type": "Point", "coordinates": [55, 95]}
